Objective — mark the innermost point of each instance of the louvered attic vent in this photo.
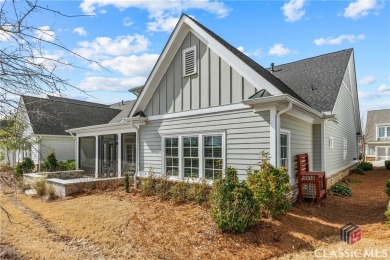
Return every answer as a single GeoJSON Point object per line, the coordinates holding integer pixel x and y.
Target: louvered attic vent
{"type": "Point", "coordinates": [189, 61]}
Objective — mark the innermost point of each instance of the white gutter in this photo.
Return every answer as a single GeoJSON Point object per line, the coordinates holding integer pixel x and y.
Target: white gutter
{"type": "Point", "coordinates": [136, 153]}
{"type": "Point", "coordinates": [289, 107]}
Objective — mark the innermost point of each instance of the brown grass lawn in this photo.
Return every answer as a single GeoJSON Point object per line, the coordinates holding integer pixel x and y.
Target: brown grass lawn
{"type": "Point", "coordinates": [116, 225]}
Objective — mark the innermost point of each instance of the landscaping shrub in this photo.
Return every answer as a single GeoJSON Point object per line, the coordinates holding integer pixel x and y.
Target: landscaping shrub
{"type": "Point", "coordinates": [199, 192]}
{"type": "Point", "coordinates": [388, 188]}
{"type": "Point", "coordinates": [387, 214]}
{"type": "Point", "coordinates": [40, 187]}
{"type": "Point", "coordinates": [50, 164]}
{"type": "Point", "coordinates": [270, 186]}
{"type": "Point", "coordinates": [387, 164]}
{"type": "Point", "coordinates": [358, 170]}
{"type": "Point", "coordinates": [179, 192]}
{"type": "Point", "coordinates": [127, 183]}
{"type": "Point", "coordinates": [163, 187]}
{"type": "Point", "coordinates": [27, 165]}
{"type": "Point", "coordinates": [232, 203]}
{"type": "Point", "coordinates": [341, 189]}
{"type": "Point", "coordinates": [365, 166]}
{"type": "Point", "coordinates": [148, 184]}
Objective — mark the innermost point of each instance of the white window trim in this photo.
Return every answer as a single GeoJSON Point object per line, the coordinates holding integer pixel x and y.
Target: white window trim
{"type": "Point", "coordinates": [377, 131]}
{"type": "Point", "coordinates": [331, 142]}
{"type": "Point", "coordinates": [288, 132]}
{"type": "Point", "coordinates": [195, 61]}
{"type": "Point", "coordinates": [200, 149]}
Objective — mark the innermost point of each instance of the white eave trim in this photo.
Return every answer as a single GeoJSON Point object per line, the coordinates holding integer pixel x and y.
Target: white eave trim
{"type": "Point", "coordinates": [50, 136]}
{"type": "Point", "coordinates": [287, 98]}
{"type": "Point", "coordinates": [126, 122]}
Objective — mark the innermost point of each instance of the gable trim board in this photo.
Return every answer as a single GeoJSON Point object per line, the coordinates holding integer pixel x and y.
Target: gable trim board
{"type": "Point", "coordinates": [185, 25]}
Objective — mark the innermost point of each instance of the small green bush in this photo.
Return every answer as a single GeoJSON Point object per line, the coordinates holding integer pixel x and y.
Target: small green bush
{"type": "Point", "coordinates": [26, 166]}
{"type": "Point", "coordinates": [179, 192]}
{"type": "Point", "coordinates": [148, 185]}
{"type": "Point", "coordinates": [232, 203]}
{"type": "Point", "coordinates": [359, 171]}
{"type": "Point", "coordinates": [387, 164]}
{"type": "Point", "coordinates": [51, 163]}
{"type": "Point", "coordinates": [341, 189]}
{"type": "Point", "coordinates": [387, 214]}
{"type": "Point", "coordinates": [199, 192]}
{"type": "Point", "coordinates": [388, 188]}
{"type": "Point", "coordinates": [162, 187]}
{"type": "Point", "coordinates": [40, 187]}
{"type": "Point", "coordinates": [270, 186]}
{"type": "Point", "coordinates": [127, 183]}
{"type": "Point", "coordinates": [365, 166]}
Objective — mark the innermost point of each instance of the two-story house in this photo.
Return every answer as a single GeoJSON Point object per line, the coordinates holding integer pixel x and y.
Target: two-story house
{"type": "Point", "coordinates": [378, 135]}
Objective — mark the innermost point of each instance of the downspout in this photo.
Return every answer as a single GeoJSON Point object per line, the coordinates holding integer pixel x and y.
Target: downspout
{"type": "Point", "coordinates": [39, 153]}
{"type": "Point", "coordinates": [137, 153]}
{"type": "Point", "coordinates": [289, 107]}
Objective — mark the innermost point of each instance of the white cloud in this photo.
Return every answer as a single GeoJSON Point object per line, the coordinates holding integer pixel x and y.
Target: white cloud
{"type": "Point", "coordinates": [80, 31]}
{"type": "Point", "coordinates": [110, 84]}
{"type": "Point", "coordinates": [136, 66]}
{"type": "Point", "coordinates": [360, 8]}
{"type": "Point", "coordinates": [279, 50]}
{"type": "Point", "coordinates": [383, 88]}
{"type": "Point", "coordinates": [338, 40]}
{"type": "Point", "coordinates": [6, 32]}
{"type": "Point", "coordinates": [103, 47]}
{"type": "Point", "coordinates": [162, 13]}
{"type": "Point", "coordinates": [367, 80]}
{"type": "Point", "coordinates": [373, 94]}
{"type": "Point", "coordinates": [45, 33]}
{"type": "Point", "coordinates": [162, 24]}
{"type": "Point", "coordinates": [293, 10]}
{"type": "Point", "coordinates": [51, 61]}
{"type": "Point", "coordinates": [127, 22]}
{"type": "Point", "coordinates": [256, 53]}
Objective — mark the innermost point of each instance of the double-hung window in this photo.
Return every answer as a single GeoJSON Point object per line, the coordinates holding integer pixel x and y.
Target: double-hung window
{"type": "Point", "coordinates": [172, 156]}
{"type": "Point", "coordinates": [191, 157]}
{"type": "Point", "coordinates": [194, 156]}
{"type": "Point", "coordinates": [383, 132]}
{"type": "Point", "coordinates": [213, 156]}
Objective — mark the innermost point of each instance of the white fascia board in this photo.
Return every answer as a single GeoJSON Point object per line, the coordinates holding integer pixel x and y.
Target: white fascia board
{"type": "Point", "coordinates": [287, 98]}
{"type": "Point", "coordinates": [50, 136]}
{"type": "Point", "coordinates": [111, 127]}
{"type": "Point", "coordinates": [231, 59]}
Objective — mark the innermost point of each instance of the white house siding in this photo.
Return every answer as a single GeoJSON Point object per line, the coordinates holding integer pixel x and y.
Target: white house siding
{"type": "Point", "coordinates": [64, 147]}
{"type": "Point", "coordinates": [301, 138]}
{"type": "Point", "coordinates": [214, 84]}
{"type": "Point", "coordinates": [247, 134]}
{"type": "Point", "coordinates": [342, 129]}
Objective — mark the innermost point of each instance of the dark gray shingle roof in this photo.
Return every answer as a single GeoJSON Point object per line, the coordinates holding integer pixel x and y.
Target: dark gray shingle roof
{"type": "Point", "coordinates": [316, 80]}
{"type": "Point", "coordinates": [251, 63]}
{"type": "Point", "coordinates": [125, 107]}
{"type": "Point", "coordinates": [54, 116]}
{"type": "Point", "coordinates": [82, 102]}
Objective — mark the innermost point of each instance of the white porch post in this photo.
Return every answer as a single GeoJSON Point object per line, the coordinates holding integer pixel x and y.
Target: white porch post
{"type": "Point", "coordinates": [97, 156]}
{"type": "Point", "coordinates": [77, 152]}
{"type": "Point", "coordinates": [119, 156]}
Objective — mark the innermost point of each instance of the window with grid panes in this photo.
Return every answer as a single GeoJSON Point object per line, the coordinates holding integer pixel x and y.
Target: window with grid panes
{"type": "Point", "coordinates": [191, 157]}
{"type": "Point", "coordinates": [212, 156]}
{"type": "Point", "coordinates": [172, 156]}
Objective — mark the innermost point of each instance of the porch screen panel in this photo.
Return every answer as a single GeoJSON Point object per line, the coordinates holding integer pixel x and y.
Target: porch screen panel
{"type": "Point", "coordinates": [87, 155]}
{"type": "Point", "coordinates": [128, 153]}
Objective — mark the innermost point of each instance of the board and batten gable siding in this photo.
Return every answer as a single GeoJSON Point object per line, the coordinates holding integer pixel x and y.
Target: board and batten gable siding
{"type": "Point", "coordinates": [247, 134]}
{"type": "Point", "coordinates": [215, 83]}
{"type": "Point", "coordinates": [63, 147]}
{"type": "Point", "coordinates": [301, 140]}
{"type": "Point", "coordinates": [342, 129]}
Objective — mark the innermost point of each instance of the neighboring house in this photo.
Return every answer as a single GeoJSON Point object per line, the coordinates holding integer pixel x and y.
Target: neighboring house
{"type": "Point", "coordinates": [377, 135]}
{"type": "Point", "coordinates": [48, 118]}
{"type": "Point", "coordinates": [206, 105]}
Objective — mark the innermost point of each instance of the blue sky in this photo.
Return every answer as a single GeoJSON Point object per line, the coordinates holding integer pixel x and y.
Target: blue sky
{"type": "Point", "coordinates": [127, 37]}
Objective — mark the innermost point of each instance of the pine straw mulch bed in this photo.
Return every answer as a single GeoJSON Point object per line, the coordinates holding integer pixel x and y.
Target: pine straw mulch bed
{"type": "Point", "coordinates": [120, 225]}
